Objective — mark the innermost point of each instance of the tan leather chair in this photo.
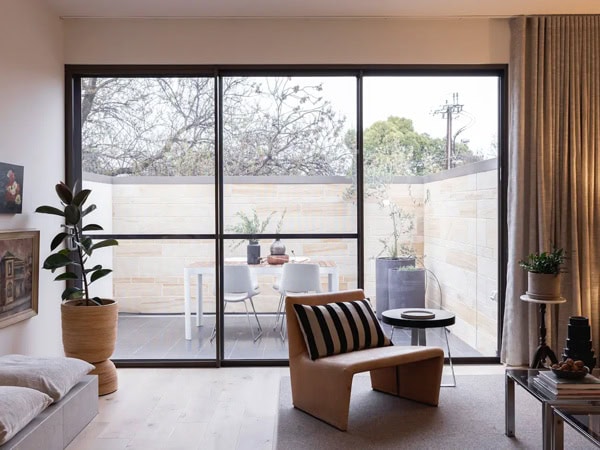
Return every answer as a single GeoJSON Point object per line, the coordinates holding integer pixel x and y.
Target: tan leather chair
{"type": "Point", "coordinates": [322, 387]}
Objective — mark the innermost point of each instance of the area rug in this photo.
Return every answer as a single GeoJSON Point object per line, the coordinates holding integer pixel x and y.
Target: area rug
{"type": "Point", "coordinates": [469, 416]}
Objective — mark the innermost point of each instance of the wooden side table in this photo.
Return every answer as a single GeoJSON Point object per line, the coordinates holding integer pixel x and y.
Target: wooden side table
{"type": "Point", "coordinates": [543, 351]}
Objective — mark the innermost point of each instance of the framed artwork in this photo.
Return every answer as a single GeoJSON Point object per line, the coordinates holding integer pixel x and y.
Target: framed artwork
{"type": "Point", "coordinates": [19, 272]}
{"type": "Point", "coordinates": [11, 188]}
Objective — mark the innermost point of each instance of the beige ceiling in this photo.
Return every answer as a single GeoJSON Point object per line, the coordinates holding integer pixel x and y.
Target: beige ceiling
{"type": "Point", "coordinates": [318, 8]}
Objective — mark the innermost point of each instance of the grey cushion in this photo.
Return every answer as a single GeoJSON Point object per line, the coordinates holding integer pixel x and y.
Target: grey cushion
{"type": "Point", "coordinates": [339, 328]}
{"type": "Point", "coordinates": [54, 376]}
{"type": "Point", "coordinates": [18, 407]}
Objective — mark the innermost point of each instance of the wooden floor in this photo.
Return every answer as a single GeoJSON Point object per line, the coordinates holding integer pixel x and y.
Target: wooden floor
{"type": "Point", "coordinates": [161, 337]}
{"type": "Point", "coordinates": [193, 409]}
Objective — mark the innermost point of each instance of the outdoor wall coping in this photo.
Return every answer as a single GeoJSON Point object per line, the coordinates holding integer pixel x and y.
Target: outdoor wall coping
{"type": "Point", "coordinates": [468, 169]}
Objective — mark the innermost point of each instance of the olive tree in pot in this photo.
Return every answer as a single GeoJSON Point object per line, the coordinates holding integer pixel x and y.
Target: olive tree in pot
{"type": "Point", "coordinates": [397, 252]}
{"type": "Point", "coordinates": [543, 274]}
{"type": "Point", "coordinates": [89, 324]}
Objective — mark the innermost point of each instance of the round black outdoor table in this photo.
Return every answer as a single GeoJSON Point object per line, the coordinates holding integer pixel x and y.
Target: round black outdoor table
{"type": "Point", "coordinates": [442, 319]}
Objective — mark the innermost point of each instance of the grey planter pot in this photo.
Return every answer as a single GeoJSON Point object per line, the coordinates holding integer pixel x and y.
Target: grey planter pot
{"type": "Point", "coordinates": [382, 266]}
{"type": "Point", "coordinates": [253, 253]}
{"type": "Point", "coordinates": [406, 288]}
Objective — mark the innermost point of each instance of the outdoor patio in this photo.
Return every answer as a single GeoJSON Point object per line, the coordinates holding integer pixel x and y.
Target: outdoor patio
{"type": "Point", "coordinates": [161, 337]}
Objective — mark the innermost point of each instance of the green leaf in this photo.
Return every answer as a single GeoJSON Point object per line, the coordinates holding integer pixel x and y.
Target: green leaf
{"type": "Point", "coordinates": [72, 215]}
{"type": "Point", "coordinates": [57, 260]}
{"type": "Point", "coordinates": [50, 210]}
{"type": "Point", "coordinates": [96, 267]}
{"type": "Point", "coordinates": [57, 240]}
{"type": "Point", "coordinates": [86, 244]}
{"type": "Point", "coordinates": [99, 274]}
{"type": "Point", "coordinates": [105, 243]}
{"type": "Point", "coordinates": [96, 300]}
{"type": "Point", "coordinates": [67, 276]}
{"type": "Point", "coordinates": [88, 210]}
{"type": "Point", "coordinates": [64, 193]}
{"type": "Point", "coordinates": [72, 293]}
{"type": "Point", "coordinates": [65, 251]}
{"type": "Point", "coordinates": [81, 197]}
{"type": "Point", "coordinates": [92, 227]}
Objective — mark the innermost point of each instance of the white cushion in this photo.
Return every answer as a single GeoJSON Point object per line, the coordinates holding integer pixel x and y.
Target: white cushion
{"type": "Point", "coordinates": [18, 407]}
{"type": "Point", "coordinates": [55, 376]}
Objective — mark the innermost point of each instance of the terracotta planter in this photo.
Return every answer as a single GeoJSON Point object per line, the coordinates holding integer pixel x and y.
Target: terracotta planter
{"type": "Point", "coordinates": [90, 333]}
{"type": "Point", "coordinates": [543, 286]}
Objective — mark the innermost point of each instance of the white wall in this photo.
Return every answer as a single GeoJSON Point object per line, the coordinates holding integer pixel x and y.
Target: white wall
{"type": "Point", "coordinates": [32, 135]}
{"type": "Point", "coordinates": [286, 41]}
{"type": "Point", "coordinates": [32, 92]}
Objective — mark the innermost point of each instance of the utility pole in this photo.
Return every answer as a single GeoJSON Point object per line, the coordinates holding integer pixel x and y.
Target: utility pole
{"type": "Point", "coordinates": [448, 111]}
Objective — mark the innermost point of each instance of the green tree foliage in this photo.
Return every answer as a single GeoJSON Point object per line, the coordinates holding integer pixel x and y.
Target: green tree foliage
{"type": "Point", "coordinates": [393, 148]}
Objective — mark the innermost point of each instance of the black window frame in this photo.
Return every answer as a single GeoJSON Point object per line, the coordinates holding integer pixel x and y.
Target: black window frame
{"type": "Point", "coordinates": [73, 165]}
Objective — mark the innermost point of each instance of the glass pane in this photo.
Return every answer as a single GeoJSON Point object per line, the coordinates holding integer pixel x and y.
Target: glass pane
{"type": "Point", "coordinates": [148, 281]}
{"type": "Point", "coordinates": [289, 149]}
{"type": "Point", "coordinates": [430, 150]}
{"type": "Point", "coordinates": [148, 153]}
{"type": "Point", "coordinates": [336, 259]}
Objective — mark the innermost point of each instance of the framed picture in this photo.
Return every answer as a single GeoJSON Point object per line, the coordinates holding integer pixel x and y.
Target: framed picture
{"type": "Point", "coordinates": [19, 272]}
{"type": "Point", "coordinates": [11, 188]}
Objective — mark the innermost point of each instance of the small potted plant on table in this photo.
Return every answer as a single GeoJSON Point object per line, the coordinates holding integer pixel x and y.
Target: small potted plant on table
{"type": "Point", "coordinates": [253, 226]}
{"type": "Point", "coordinates": [543, 274]}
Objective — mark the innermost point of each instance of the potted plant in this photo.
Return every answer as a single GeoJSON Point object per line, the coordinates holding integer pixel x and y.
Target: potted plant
{"type": "Point", "coordinates": [543, 274]}
{"type": "Point", "coordinates": [397, 252]}
{"type": "Point", "coordinates": [89, 324]}
{"type": "Point", "coordinates": [252, 225]}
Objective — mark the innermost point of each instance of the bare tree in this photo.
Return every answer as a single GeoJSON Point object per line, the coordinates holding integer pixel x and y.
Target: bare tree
{"type": "Point", "coordinates": [166, 126]}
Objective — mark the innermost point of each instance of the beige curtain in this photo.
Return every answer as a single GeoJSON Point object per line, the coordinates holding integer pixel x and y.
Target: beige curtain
{"type": "Point", "coordinates": [553, 173]}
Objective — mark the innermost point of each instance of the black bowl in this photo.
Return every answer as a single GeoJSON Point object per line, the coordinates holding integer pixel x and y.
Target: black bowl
{"type": "Point", "coordinates": [571, 375]}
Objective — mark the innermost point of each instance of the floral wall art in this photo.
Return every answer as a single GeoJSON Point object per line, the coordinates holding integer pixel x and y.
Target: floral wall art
{"type": "Point", "coordinates": [11, 188]}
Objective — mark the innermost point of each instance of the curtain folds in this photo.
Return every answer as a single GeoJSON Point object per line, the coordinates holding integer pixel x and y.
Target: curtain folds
{"type": "Point", "coordinates": [554, 173]}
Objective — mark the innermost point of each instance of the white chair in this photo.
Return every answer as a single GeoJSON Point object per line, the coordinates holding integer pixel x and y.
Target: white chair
{"type": "Point", "coordinates": [239, 286]}
{"type": "Point", "coordinates": [296, 278]}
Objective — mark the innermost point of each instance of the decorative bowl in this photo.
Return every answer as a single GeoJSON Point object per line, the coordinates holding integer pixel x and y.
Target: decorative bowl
{"type": "Point", "coordinates": [570, 374]}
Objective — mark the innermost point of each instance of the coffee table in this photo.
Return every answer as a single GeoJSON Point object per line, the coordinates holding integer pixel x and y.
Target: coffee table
{"type": "Point", "coordinates": [524, 378]}
{"type": "Point", "coordinates": [585, 420]}
{"type": "Point", "coordinates": [418, 322]}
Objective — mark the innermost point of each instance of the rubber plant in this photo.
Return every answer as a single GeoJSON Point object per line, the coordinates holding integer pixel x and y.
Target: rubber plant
{"type": "Point", "coordinates": [79, 246]}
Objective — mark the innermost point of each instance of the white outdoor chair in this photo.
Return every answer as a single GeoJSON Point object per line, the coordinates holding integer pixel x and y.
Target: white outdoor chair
{"type": "Point", "coordinates": [239, 286]}
{"type": "Point", "coordinates": [296, 278]}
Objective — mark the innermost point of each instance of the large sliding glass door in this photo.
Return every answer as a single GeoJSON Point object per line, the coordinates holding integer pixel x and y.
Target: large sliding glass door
{"type": "Point", "coordinates": [430, 146]}
{"type": "Point", "coordinates": [285, 164]}
{"type": "Point", "coordinates": [213, 179]}
{"type": "Point", "coordinates": [148, 155]}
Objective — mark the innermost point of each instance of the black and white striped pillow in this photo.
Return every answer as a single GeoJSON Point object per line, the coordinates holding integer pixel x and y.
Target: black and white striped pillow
{"type": "Point", "coordinates": [340, 328]}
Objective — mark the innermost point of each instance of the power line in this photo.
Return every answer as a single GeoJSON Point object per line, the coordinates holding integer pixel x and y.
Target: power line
{"type": "Point", "coordinates": [449, 111]}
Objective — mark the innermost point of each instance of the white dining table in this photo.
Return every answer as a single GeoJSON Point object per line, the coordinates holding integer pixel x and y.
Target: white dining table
{"type": "Point", "coordinates": [200, 269]}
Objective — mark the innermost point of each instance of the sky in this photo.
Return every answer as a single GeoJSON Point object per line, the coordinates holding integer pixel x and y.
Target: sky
{"type": "Point", "coordinates": [417, 98]}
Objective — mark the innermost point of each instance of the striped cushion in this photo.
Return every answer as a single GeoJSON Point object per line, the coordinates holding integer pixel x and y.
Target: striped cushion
{"type": "Point", "coordinates": [340, 328]}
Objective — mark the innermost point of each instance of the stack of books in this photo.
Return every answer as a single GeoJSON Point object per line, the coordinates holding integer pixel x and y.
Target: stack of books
{"type": "Point", "coordinates": [548, 383]}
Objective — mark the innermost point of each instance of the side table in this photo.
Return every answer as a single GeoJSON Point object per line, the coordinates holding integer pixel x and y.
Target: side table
{"type": "Point", "coordinates": [543, 351]}
{"type": "Point", "coordinates": [418, 325]}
